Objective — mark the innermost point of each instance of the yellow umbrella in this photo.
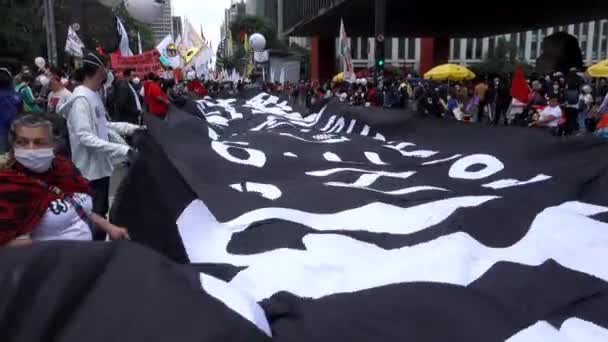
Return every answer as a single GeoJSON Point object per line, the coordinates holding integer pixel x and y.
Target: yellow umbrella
{"type": "Point", "coordinates": [339, 78]}
{"type": "Point", "coordinates": [599, 70]}
{"type": "Point", "coordinates": [449, 72]}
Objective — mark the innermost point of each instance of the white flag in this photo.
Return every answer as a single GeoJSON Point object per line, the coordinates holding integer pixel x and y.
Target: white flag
{"type": "Point", "coordinates": [345, 55]}
{"type": "Point", "coordinates": [123, 37]}
{"type": "Point", "coordinates": [272, 75]}
{"type": "Point", "coordinates": [139, 43]}
{"type": "Point", "coordinates": [282, 76]}
{"type": "Point", "coordinates": [73, 44]}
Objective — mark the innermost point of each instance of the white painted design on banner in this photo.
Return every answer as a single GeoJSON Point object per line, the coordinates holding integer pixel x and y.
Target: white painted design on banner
{"type": "Point", "coordinates": [325, 173]}
{"type": "Point", "coordinates": [332, 157]}
{"type": "Point", "coordinates": [351, 126]}
{"type": "Point", "coordinates": [330, 141]}
{"type": "Point", "coordinates": [290, 155]}
{"type": "Point", "coordinates": [379, 137]}
{"type": "Point", "coordinates": [573, 330]}
{"type": "Point", "coordinates": [509, 183]}
{"type": "Point", "coordinates": [338, 126]}
{"type": "Point", "coordinates": [400, 192]}
{"type": "Point", "coordinates": [435, 162]}
{"type": "Point", "coordinates": [415, 154]}
{"type": "Point", "coordinates": [394, 219]}
{"type": "Point", "coordinates": [322, 137]}
{"type": "Point", "coordinates": [491, 166]}
{"type": "Point", "coordinates": [218, 120]}
{"type": "Point", "coordinates": [329, 123]}
{"type": "Point", "coordinates": [268, 191]}
{"type": "Point", "coordinates": [374, 158]}
{"type": "Point", "coordinates": [212, 134]}
{"type": "Point", "coordinates": [338, 264]}
{"type": "Point", "coordinates": [365, 131]}
{"type": "Point", "coordinates": [255, 157]}
{"type": "Point", "coordinates": [237, 300]}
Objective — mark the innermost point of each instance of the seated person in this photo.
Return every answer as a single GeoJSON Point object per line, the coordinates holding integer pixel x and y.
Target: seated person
{"type": "Point", "coordinates": [550, 116]}
{"type": "Point", "coordinates": [43, 196]}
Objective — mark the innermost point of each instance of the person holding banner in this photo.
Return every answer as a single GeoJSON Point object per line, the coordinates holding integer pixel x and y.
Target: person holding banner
{"type": "Point", "coordinates": [96, 144]}
{"type": "Point", "coordinates": [54, 199]}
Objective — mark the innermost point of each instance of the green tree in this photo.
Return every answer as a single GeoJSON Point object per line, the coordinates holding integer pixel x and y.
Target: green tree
{"type": "Point", "coordinates": [249, 24]}
{"type": "Point", "coordinates": [20, 28]}
{"type": "Point", "coordinates": [501, 60]}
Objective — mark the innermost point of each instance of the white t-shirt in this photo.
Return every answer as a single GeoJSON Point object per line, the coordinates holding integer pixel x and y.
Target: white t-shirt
{"type": "Point", "coordinates": [96, 102]}
{"type": "Point", "coordinates": [57, 99]}
{"type": "Point", "coordinates": [554, 112]}
{"type": "Point", "coordinates": [62, 222]}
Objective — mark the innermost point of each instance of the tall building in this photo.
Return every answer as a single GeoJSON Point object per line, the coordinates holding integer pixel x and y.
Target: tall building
{"type": "Point", "coordinates": [237, 7]}
{"type": "Point", "coordinates": [177, 26]}
{"type": "Point", "coordinates": [265, 8]}
{"type": "Point", "coordinates": [163, 26]}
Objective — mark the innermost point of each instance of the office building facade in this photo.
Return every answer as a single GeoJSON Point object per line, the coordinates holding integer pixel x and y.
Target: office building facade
{"type": "Point", "coordinates": [163, 26]}
{"type": "Point", "coordinates": [178, 27]}
{"type": "Point", "coordinates": [406, 52]}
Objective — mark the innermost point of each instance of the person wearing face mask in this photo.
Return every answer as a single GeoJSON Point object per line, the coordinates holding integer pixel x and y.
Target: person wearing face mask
{"type": "Point", "coordinates": [42, 196]}
{"type": "Point", "coordinates": [128, 105]}
{"type": "Point", "coordinates": [96, 143]}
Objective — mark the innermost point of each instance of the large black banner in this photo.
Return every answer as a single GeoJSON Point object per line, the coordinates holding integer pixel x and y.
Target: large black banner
{"type": "Point", "coordinates": [362, 224]}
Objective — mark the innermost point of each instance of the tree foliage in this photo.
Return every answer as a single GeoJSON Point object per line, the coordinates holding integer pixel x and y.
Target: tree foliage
{"type": "Point", "coordinates": [22, 34]}
{"type": "Point", "coordinates": [249, 24]}
{"type": "Point", "coordinates": [501, 61]}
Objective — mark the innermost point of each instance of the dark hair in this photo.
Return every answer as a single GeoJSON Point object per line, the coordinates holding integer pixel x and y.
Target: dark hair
{"type": "Point", "coordinates": [78, 75]}
{"type": "Point", "coordinates": [127, 72]}
{"type": "Point", "coordinates": [554, 97]}
{"type": "Point", "coordinates": [6, 79]}
{"type": "Point", "coordinates": [91, 63]}
{"type": "Point", "coordinates": [26, 77]}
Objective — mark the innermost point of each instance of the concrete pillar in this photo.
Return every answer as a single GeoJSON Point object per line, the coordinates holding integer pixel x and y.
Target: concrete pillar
{"type": "Point", "coordinates": [485, 47]}
{"type": "Point", "coordinates": [528, 50]}
{"type": "Point", "coordinates": [418, 53]}
{"type": "Point", "coordinates": [395, 51]}
{"type": "Point", "coordinates": [280, 28]}
{"type": "Point", "coordinates": [590, 40]}
{"type": "Point", "coordinates": [322, 59]}
{"type": "Point", "coordinates": [463, 50]}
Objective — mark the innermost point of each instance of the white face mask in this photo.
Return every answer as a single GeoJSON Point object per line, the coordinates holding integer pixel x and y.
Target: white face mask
{"type": "Point", "coordinates": [38, 161]}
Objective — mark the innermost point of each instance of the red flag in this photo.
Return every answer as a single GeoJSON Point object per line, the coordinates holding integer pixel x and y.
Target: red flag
{"type": "Point", "coordinates": [519, 87]}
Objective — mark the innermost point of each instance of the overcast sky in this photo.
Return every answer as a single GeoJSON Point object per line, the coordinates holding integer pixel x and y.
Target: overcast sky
{"type": "Point", "coordinates": [208, 13]}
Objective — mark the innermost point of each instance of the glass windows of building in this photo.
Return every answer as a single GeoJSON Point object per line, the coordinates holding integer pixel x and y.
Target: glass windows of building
{"type": "Point", "coordinates": [401, 48]}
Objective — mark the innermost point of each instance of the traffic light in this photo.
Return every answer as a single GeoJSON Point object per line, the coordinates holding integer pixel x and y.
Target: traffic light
{"type": "Point", "coordinates": [381, 62]}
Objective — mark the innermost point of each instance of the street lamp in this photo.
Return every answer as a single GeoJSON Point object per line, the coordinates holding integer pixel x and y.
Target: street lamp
{"type": "Point", "coordinates": [258, 43]}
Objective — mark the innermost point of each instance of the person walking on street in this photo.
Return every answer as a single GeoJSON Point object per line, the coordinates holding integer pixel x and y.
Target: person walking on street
{"type": "Point", "coordinates": [96, 143]}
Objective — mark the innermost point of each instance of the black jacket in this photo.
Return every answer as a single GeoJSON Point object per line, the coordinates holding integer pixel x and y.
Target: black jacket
{"type": "Point", "coordinates": [125, 105]}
